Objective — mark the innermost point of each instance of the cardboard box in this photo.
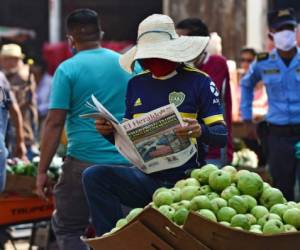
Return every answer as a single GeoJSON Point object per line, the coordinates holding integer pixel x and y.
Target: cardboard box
{"type": "Point", "coordinates": [135, 237]}
{"type": "Point", "coordinates": [21, 185]}
{"type": "Point", "coordinates": [219, 237]}
{"type": "Point", "coordinates": [150, 230]}
{"type": "Point", "coordinates": [16, 210]}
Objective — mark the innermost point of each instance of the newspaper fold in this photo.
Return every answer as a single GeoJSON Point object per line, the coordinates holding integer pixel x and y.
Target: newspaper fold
{"type": "Point", "coordinates": [149, 142]}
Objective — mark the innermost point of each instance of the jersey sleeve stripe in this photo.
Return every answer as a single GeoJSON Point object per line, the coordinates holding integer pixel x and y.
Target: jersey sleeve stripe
{"type": "Point", "coordinates": [212, 119]}
{"type": "Point", "coordinates": [188, 115]}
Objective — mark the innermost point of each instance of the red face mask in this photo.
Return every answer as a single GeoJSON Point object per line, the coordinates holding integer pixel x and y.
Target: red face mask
{"type": "Point", "coordinates": [158, 67]}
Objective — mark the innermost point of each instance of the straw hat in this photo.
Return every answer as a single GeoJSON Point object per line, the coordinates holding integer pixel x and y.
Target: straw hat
{"type": "Point", "coordinates": [11, 50]}
{"type": "Point", "coordinates": [157, 38]}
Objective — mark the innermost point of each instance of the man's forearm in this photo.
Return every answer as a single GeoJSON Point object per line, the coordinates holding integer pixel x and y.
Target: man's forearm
{"type": "Point", "coordinates": [215, 135]}
{"type": "Point", "coordinates": [50, 141]}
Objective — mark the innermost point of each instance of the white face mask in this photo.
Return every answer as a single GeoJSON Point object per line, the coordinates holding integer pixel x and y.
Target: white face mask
{"type": "Point", "coordinates": [285, 40]}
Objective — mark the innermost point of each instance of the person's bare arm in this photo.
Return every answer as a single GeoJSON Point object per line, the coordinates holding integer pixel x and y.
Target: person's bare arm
{"type": "Point", "coordinates": [54, 126]}
{"type": "Point", "coordinates": [17, 120]}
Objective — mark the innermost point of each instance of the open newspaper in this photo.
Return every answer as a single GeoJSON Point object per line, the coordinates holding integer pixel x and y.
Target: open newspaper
{"type": "Point", "coordinates": [149, 142]}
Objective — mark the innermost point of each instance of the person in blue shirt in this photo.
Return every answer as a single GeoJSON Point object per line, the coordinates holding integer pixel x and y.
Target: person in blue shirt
{"type": "Point", "coordinates": [166, 79]}
{"type": "Point", "coordinates": [280, 72]}
{"type": "Point", "coordinates": [91, 71]}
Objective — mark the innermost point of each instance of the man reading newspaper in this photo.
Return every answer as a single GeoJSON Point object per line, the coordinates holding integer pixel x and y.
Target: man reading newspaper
{"type": "Point", "coordinates": [166, 80]}
{"type": "Point", "coordinates": [150, 141]}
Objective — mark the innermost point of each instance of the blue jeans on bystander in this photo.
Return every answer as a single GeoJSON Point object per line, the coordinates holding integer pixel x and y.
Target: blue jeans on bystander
{"type": "Point", "coordinates": [3, 150]}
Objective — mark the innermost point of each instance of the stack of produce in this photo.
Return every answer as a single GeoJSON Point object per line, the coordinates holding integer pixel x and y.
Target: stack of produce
{"type": "Point", "coordinates": [237, 199]}
{"type": "Point", "coordinates": [18, 167]}
{"type": "Point", "coordinates": [245, 158]}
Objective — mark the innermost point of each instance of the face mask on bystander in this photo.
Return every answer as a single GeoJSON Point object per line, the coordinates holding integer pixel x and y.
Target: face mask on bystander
{"type": "Point", "coordinates": [285, 40]}
{"type": "Point", "coordinates": [158, 67]}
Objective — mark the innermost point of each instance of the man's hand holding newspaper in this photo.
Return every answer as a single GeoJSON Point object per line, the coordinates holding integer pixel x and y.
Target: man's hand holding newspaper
{"type": "Point", "coordinates": [104, 126]}
{"type": "Point", "coordinates": [191, 128]}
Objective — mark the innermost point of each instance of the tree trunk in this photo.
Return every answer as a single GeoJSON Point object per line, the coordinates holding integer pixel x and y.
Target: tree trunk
{"type": "Point", "coordinates": [226, 17]}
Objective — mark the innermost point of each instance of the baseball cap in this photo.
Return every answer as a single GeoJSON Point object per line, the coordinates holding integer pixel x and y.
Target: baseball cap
{"type": "Point", "coordinates": [278, 18]}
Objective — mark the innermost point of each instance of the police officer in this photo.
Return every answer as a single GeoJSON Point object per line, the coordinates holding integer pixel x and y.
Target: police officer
{"type": "Point", "coordinates": [280, 72]}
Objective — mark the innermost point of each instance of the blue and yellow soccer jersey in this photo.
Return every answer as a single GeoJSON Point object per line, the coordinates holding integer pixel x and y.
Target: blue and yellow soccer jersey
{"type": "Point", "coordinates": [192, 91]}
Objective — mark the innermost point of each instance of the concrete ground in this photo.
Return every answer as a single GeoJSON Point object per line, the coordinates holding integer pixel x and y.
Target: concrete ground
{"type": "Point", "coordinates": [22, 245]}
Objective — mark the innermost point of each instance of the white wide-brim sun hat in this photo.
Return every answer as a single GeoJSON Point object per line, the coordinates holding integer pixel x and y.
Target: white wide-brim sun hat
{"type": "Point", "coordinates": [157, 38]}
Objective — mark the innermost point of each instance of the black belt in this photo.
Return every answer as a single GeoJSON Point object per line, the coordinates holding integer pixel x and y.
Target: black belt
{"type": "Point", "coordinates": [284, 130]}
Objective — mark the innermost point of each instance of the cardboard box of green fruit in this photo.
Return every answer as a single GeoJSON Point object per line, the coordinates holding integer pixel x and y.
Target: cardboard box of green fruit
{"type": "Point", "coordinates": [146, 229]}
{"type": "Point", "coordinates": [227, 209]}
{"type": "Point", "coordinates": [247, 214]}
{"type": "Point", "coordinates": [135, 237]}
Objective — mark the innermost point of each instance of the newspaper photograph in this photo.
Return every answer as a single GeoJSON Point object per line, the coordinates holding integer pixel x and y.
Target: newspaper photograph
{"type": "Point", "coordinates": [149, 142]}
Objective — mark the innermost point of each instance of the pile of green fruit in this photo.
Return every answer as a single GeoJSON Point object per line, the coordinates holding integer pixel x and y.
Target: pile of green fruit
{"type": "Point", "coordinates": [237, 199]}
{"type": "Point", "coordinates": [22, 168]}
{"type": "Point", "coordinates": [19, 167]}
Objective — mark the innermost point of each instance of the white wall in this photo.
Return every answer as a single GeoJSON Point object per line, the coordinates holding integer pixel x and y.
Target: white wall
{"type": "Point", "coordinates": [54, 20]}
{"type": "Point", "coordinates": [257, 24]}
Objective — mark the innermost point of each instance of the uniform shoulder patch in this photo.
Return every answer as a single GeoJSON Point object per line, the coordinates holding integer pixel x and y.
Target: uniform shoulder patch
{"type": "Point", "coordinates": [192, 69]}
{"type": "Point", "coordinates": [262, 56]}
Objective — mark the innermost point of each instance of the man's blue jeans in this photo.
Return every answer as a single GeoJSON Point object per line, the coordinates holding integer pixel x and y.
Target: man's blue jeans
{"type": "Point", "coordinates": [3, 155]}
{"type": "Point", "coordinates": [108, 187]}
{"type": "Point", "coordinates": [3, 150]}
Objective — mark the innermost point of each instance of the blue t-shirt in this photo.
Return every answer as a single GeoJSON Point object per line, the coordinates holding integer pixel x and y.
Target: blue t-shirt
{"type": "Point", "coordinates": [193, 93]}
{"type": "Point", "coordinates": [96, 72]}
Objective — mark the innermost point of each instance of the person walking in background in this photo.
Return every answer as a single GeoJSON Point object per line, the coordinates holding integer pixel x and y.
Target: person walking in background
{"type": "Point", "coordinates": [260, 99]}
{"type": "Point", "coordinates": [260, 102]}
{"type": "Point", "coordinates": [216, 67]}
{"type": "Point", "coordinates": [23, 86]}
{"type": "Point", "coordinates": [280, 72]}
{"type": "Point", "coordinates": [91, 71]}
{"type": "Point", "coordinates": [9, 106]}
{"type": "Point", "coordinates": [43, 89]}
{"type": "Point", "coordinates": [247, 56]}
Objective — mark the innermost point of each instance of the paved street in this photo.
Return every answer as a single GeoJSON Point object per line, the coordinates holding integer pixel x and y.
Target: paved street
{"type": "Point", "coordinates": [19, 245]}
